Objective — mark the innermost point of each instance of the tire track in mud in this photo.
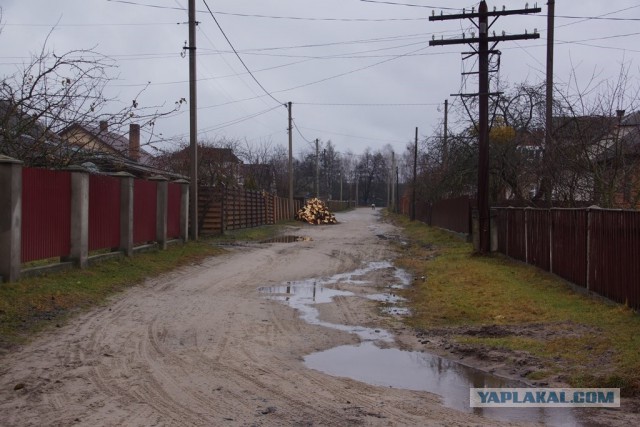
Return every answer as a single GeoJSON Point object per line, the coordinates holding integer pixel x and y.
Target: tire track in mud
{"type": "Point", "coordinates": [202, 346]}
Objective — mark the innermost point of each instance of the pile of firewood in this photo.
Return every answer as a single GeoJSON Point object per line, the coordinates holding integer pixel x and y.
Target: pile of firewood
{"type": "Point", "coordinates": [316, 212]}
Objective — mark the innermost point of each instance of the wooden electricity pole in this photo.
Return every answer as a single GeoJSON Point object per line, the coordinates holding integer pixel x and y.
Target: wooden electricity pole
{"type": "Point", "coordinates": [483, 51]}
{"type": "Point", "coordinates": [292, 209]}
{"type": "Point", "coordinates": [445, 137]}
{"type": "Point", "coordinates": [193, 123]}
{"type": "Point", "coordinates": [548, 140]}
{"type": "Point", "coordinates": [415, 178]}
{"type": "Point", "coordinates": [317, 168]}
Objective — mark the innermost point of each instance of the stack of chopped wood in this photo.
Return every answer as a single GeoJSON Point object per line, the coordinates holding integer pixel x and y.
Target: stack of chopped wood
{"type": "Point", "coordinates": [316, 212]}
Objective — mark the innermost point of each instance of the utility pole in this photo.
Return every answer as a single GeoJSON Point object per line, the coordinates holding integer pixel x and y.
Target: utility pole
{"type": "Point", "coordinates": [193, 122]}
{"type": "Point", "coordinates": [548, 140]}
{"type": "Point", "coordinates": [445, 137]}
{"type": "Point", "coordinates": [415, 178]}
{"type": "Point", "coordinates": [357, 181]}
{"type": "Point", "coordinates": [317, 168]}
{"type": "Point", "coordinates": [292, 210]}
{"type": "Point", "coordinates": [392, 182]}
{"type": "Point", "coordinates": [483, 51]}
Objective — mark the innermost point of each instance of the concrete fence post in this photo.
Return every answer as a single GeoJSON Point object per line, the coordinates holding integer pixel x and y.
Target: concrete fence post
{"type": "Point", "coordinates": [184, 209]}
{"type": "Point", "coordinates": [526, 234]}
{"type": "Point", "coordinates": [162, 201]}
{"type": "Point", "coordinates": [126, 212]}
{"type": "Point", "coordinates": [493, 229]}
{"type": "Point", "coordinates": [10, 218]}
{"type": "Point", "coordinates": [79, 253]}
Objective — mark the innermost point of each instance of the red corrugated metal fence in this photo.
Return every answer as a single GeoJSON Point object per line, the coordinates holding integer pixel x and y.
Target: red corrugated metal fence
{"type": "Point", "coordinates": [46, 214]}
{"type": "Point", "coordinates": [173, 210]}
{"type": "Point", "coordinates": [144, 211]}
{"type": "Point", "coordinates": [104, 212]}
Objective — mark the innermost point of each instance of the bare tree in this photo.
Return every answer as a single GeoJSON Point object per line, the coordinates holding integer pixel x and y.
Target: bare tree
{"type": "Point", "coordinates": [53, 91]}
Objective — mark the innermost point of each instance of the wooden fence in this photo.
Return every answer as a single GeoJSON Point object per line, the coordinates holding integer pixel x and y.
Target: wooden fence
{"type": "Point", "coordinates": [223, 209]}
{"type": "Point", "coordinates": [596, 249]}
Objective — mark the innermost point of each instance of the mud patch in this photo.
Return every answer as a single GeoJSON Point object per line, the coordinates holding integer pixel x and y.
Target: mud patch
{"type": "Point", "coordinates": [287, 239]}
{"type": "Point", "coordinates": [504, 361]}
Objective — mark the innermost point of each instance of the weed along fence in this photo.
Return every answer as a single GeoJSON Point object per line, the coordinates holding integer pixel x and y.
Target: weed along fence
{"type": "Point", "coordinates": [596, 249]}
{"type": "Point", "coordinates": [223, 209]}
{"type": "Point", "coordinates": [70, 214]}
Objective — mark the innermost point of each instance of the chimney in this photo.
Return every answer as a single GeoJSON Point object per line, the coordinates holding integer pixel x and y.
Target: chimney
{"type": "Point", "coordinates": [104, 125]}
{"type": "Point", "coordinates": [134, 142]}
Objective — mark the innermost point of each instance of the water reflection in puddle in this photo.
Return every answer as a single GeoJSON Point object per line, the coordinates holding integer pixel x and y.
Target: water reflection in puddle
{"type": "Point", "coordinates": [391, 367]}
{"type": "Point", "coordinates": [287, 239]}
{"type": "Point", "coordinates": [411, 370]}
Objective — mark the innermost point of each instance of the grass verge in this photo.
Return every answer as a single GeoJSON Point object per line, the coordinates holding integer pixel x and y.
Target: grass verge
{"type": "Point", "coordinates": [39, 302]}
{"type": "Point", "coordinates": [497, 304]}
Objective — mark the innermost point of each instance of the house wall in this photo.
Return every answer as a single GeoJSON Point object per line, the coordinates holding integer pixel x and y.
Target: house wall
{"type": "Point", "coordinates": [80, 138]}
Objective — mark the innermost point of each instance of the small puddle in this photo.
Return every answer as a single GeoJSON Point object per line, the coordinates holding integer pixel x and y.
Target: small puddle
{"type": "Point", "coordinates": [287, 239]}
{"type": "Point", "coordinates": [391, 367]}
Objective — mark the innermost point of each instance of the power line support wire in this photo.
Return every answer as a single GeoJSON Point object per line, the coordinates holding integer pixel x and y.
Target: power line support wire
{"type": "Point", "coordinates": [483, 52]}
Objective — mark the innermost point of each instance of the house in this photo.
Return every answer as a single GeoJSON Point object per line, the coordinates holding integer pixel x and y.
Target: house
{"type": "Point", "coordinates": [101, 140]}
{"type": "Point", "coordinates": [596, 160]}
{"type": "Point", "coordinates": [24, 137]}
{"type": "Point", "coordinates": [259, 177]}
{"type": "Point", "coordinates": [619, 163]}
{"type": "Point", "coordinates": [108, 151]}
{"type": "Point", "coordinates": [216, 166]}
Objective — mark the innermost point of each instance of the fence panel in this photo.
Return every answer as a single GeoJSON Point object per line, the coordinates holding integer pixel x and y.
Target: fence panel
{"type": "Point", "coordinates": [174, 201]}
{"type": "Point", "coordinates": [452, 214]}
{"type": "Point", "coordinates": [515, 241]}
{"type": "Point", "coordinates": [46, 214]}
{"type": "Point", "coordinates": [144, 211]}
{"type": "Point", "coordinates": [104, 212]}
{"type": "Point", "coordinates": [538, 224]}
{"type": "Point", "coordinates": [614, 268]}
{"type": "Point", "coordinates": [569, 245]}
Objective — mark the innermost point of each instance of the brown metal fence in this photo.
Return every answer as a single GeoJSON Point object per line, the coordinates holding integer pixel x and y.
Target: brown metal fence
{"type": "Point", "coordinates": [451, 214]}
{"type": "Point", "coordinates": [594, 248]}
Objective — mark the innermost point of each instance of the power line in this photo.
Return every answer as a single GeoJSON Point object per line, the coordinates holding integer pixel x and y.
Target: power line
{"type": "Point", "coordinates": [295, 18]}
{"type": "Point", "coordinates": [239, 58]}
{"type": "Point", "coordinates": [409, 4]}
{"type": "Point", "coordinates": [295, 125]}
{"type": "Point", "coordinates": [354, 136]}
{"type": "Point", "coordinates": [368, 104]}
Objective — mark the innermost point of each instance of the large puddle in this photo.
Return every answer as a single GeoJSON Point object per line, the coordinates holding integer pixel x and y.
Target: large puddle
{"type": "Point", "coordinates": [390, 367]}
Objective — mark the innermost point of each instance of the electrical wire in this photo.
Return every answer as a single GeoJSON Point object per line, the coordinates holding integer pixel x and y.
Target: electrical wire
{"type": "Point", "coordinates": [367, 104]}
{"type": "Point", "coordinates": [295, 18]}
{"type": "Point", "coordinates": [409, 4]}
{"type": "Point", "coordinates": [239, 58]}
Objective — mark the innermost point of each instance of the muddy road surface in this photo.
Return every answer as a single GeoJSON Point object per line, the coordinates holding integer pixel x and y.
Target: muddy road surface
{"type": "Point", "coordinates": [222, 343]}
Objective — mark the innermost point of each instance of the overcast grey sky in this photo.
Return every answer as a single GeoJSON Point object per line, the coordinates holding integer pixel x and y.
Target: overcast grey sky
{"type": "Point", "coordinates": [360, 73]}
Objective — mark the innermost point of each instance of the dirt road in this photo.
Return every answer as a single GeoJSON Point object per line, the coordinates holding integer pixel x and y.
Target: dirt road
{"type": "Point", "coordinates": [206, 345]}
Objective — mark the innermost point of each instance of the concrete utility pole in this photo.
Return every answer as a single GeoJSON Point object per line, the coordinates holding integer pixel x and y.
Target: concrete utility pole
{"type": "Point", "coordinates": [292, 209]}
{"type": "Point", "coordinates": [415, 178]}
{"type": "Point", "coordinates": [193, 121]}
{"type": "Point", "coordinates": [317, 168]}
{"type": "Point", "coordinates": [483, 51]}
